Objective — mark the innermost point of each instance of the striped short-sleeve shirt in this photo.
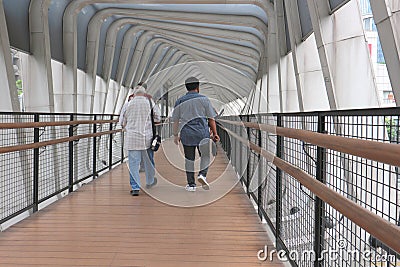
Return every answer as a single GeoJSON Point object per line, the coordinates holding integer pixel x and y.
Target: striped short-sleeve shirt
{"type": "Point", "coordinates": [138, 126]}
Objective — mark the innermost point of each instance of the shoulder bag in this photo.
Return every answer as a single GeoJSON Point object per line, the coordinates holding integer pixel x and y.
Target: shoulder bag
{"type": "Point", "coordinates": [156, 140]}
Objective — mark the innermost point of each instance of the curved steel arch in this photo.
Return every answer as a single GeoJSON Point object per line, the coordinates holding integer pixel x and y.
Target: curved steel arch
{"type": "Point", "coordinates": [131, 12]}
{"type": "Point", "coordinates": [124, 53]}
{"type": "Point", "coordinates": [111, 38]}
{"type": "Point", "coordinates": [265, 5]}
{"type": "Point", "coordinates": [92, 68]}
{"type": "Point", "coordinates": [101, 15]}
{"type": "Point", "coordinates": [112, 33]}
{"type": "Point", "coordinates": [200, 46]}
{"type": "Point", "coordinates": [184, 47]}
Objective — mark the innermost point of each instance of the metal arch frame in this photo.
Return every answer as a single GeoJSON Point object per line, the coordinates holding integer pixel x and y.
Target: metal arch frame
{"type": "Point", "coordinates": [187, 72]}
{"type": "Point", "coordinates": [212, 54]}
{"type": "Point", "coordinates": [385, 19]}
{"type": "Point", "coordinates": [159, 55]}
{"type": "Point", "coordinates": [105, 13]}
{"type": "Point", "coordinates": [124, 51]}
{"type": "Point", "coordinates": [163, 61]}
{"type": "Point", "coordinates": [124, 55]}
{"type": "Point", "coordinates": [237, 79]}
{"type": "Point", "coordinates": [323, 26]}
{"type": "Point", "coordinates": [158, 52]}
{"type": "Point", "coordinates": [10, 101]}
{"type": "Point", "coordinates": [328, 77]}
{"type": "Point", "coordinates": [173, 60]}
{"type": "Point", "coordinates": [195, 29]}
{"type": "Point", "coordinates": [244, 92]}
{"type": "Point", "coordinates": [176, 72]}
{"type": "Point", "coordinates": [175, 43]}
{"type": "Point", "coordinates": [94, 31]}
{"type": "Point", "coordinates": [295, 37]}
{"type": "Point", "coordinates": [178, 57]}
{"type": "Point", "coordinates": [111, 35]}
{"type": "Point", "coordinates": [71, 11]}
{"type": "Point", "coordinates": [40, 65]}
{"type": "Point", "coordinates": [152, 12]}
{"type": "Point", "coordinates": [209, 77]}
{"type": "Point", "coordinates": [172, 73]}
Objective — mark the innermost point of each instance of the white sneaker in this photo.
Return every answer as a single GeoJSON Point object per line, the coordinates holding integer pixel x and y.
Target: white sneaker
{"type": "Point", "coordinates": [190, 188]}
{"type": "Point", "coordinates": [203, 181]}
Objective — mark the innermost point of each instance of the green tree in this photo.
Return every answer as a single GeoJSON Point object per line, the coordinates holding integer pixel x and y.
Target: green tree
{"type": "Point", "coordinates": [392, 128]}
{"type": "Point", "coordinates": [18, 83]}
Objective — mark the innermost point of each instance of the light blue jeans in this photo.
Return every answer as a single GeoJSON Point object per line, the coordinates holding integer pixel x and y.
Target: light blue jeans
{"type": "Point", "coordinates": [135, 157]}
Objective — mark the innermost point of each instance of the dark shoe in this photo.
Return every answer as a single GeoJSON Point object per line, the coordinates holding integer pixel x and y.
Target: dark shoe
{"type": "Point", "coordinates": [134, 192]}
{"type": "Point", "coordinates": [153, 184]}
{"type": "Point", "coordinates": [190, 188]}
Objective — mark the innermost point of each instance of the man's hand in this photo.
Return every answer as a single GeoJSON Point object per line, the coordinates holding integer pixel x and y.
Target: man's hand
{"type": "Point", "coordinates": [177, 139]}
{"type": "Point", "coordinates": [216, 138]}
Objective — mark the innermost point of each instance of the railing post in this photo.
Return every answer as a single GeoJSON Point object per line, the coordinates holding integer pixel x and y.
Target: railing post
{"type": "Point", "coordinates": [260, 173]}
{"type": "Point", "coordinates": [240, 156]}
{"type": "Point", "coordinates": [279, 152]}
{"type": "Point", "coordinates": [71, 157]}
{"type": "Point", "coordinates": [234, 155]}
{"type": "Point", "coordinates": [240, 146]}
{"type": "Point", "coordinates": [319, 204]}
{"type": "Point", "coordinates": [36, 167]}
{"type": "Point", "coordinates": [94, 150]}
{"type": "Point", "coordinates": [122, 146]}
{"type": "Point", "coordinates": [248, 158]}
{"type": "Point", "coordinates": [228, 142]}
{"type": "Point", "coordinates": [110, 152]}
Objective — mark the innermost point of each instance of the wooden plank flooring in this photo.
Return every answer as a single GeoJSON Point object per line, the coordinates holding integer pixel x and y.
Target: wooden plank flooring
{"type": "Point", "coordinates": [101, 224]}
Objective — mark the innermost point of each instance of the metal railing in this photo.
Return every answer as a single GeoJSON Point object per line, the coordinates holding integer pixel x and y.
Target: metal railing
{"type": "Point", "coordinates": [43, 155]}
{"type": "Point", "coordinates": [327, 183]}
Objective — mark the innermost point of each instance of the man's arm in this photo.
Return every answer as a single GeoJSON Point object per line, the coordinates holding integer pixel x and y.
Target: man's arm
{"type": "Point", "coordinates": [175, 130]}
{"type": "Point", "coordinates": [175, 120]}
{"type": "Point", "coordinates": [213, 126]}
{"type": "Point", "coordinates": [122, 115]}
{"type": "Point", "coordinates": [156, 112]}
{"type": "Point", "coordinates": [211, 114]}
{"type": "Point", "coordinates": [124, 121]}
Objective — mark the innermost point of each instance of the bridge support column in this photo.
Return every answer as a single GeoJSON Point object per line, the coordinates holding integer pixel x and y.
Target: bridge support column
{"type": "Point", "coordinates": [387, 20]}
{"type": "Point", "coordinates": [9, 99]}
{"type": "Point", "coordinates": [340, 41]}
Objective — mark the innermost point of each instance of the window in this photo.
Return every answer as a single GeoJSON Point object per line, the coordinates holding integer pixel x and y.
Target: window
{"type": "Point", "coordinates": [380, 57]}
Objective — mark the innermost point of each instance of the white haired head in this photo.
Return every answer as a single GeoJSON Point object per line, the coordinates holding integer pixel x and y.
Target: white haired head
{"type": "Point", "coordinates": [139, 90]}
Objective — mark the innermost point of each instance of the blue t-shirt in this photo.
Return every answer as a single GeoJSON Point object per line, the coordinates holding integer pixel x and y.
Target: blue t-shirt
{"type": "Point", "coordinates": [193, 111]}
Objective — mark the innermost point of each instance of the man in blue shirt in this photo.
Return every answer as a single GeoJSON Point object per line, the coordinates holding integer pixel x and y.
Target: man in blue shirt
{"type": "Point", "coordinates": [193, 115]}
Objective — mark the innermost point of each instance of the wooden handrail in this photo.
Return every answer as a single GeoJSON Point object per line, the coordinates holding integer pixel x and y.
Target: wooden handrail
{"type": "Point", "coordinates": [386, 232]}
{"type": "Point", "coordinates": [373, 150]}
{"type": "Point", "coordinates": [8, 149]}
{"type": "Point", "coordinates": [20, 125]}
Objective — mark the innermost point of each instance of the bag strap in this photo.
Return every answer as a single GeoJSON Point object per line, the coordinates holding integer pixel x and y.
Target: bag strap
{"type": "Point", "coordinates": [153, 126]}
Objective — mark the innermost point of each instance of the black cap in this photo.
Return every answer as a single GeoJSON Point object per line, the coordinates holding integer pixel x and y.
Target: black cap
{"type": "Point", "coordinates": [192, 83]}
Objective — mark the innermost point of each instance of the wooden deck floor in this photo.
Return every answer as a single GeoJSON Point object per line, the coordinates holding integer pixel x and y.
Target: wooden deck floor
{"type": "Point", "coordinates": [101, 224]}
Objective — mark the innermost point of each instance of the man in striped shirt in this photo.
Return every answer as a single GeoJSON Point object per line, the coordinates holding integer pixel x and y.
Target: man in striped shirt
{"type": "Point", "coordinates": [139, 134]}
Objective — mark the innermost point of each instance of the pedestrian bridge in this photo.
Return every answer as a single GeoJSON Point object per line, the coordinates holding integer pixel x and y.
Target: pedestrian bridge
{"type": "Point", "coordinates": [101, 224]}
{"type": "Point", "coordinates": [307, 169]}
{"type": "Point", "coordinates": [273, 188]}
